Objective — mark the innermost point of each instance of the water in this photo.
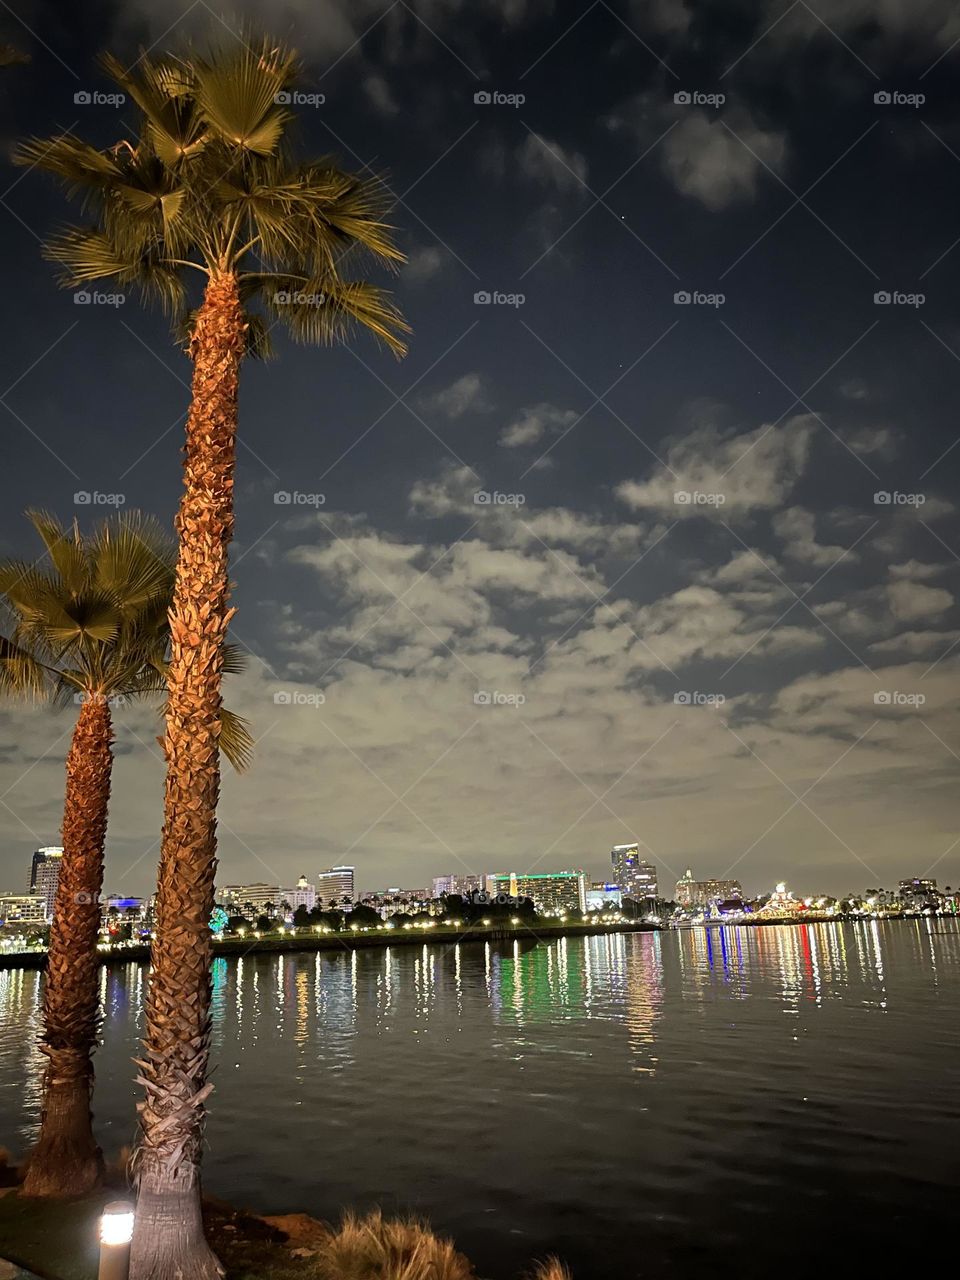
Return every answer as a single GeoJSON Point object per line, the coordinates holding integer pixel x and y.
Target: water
{"type": "Point", "coordinates": [738, 1099]}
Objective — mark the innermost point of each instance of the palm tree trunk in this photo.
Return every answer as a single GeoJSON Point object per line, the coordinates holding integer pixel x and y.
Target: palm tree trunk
{"type": "Point", "coordinates": [168, 1236]}
{"type": "Point", "coordinates": [66, 1160]}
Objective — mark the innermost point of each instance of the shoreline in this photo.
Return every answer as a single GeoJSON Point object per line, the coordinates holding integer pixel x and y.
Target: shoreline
{"type": "Point", "coordinates": [225, 947]}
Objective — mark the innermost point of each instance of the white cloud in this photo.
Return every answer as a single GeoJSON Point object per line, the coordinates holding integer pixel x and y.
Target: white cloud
{"type": "Point", "coordinates": [706, 161]}
{"type": "Point", "coordinates": [548, 164]}
{"type": "Point", "coordinates": [797, 528]}
{"type": "Point", "coordinates": [910, 601]}
{"type": "Point", "coordinates": [466, 395]}
{"type": "Point", "coordinates": [423, 263]}
{"type": "Point", "coordinates": [533, 424]}
{"type": "Point", "coordinates": [753, 471]}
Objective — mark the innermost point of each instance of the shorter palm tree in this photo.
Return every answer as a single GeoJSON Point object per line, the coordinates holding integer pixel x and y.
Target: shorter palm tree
{"type": "Point", "coordinates": [89, 631]}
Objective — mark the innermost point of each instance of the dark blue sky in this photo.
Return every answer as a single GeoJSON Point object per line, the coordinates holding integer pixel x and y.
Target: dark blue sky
{"type": "Point", "coordinates": [784, 396]}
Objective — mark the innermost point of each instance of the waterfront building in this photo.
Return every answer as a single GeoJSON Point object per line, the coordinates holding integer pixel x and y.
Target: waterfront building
{"type": "Point", "coordinates": [335, 884]}
{"type": "Point", "coordinates": [45, 874]}
{"type": "Point", "coordinates": [918, 888]}
{"type": "Point", "coordinates": [552, 892]}
{"type": "Point", "coordinates": [461, 885]}
{"type": "Point", "coordinates": [304, 895]}
{"type": "Point", "coordinates": [23, 908]}
{"type": "Point", "coordinates": [700, 893]}
{"type": "Point", "coordinates": [636, 877]}
{"type": "Point", "coordinates": [251, 899]}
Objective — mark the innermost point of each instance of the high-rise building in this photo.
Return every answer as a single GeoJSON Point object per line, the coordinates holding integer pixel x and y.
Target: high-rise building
{"type": "Point", "coordinates": [456, 884]}
{"type": "Point", "coordinates": [700, 893]}
{"type": "Point", "coordinates": [552, 891]}
{"type": "Point", "coordinates": [636, 877]}
{"type": "Point", "coordinates": [336, 883]}
{"type": "Point", "coordinates": [45, 875]}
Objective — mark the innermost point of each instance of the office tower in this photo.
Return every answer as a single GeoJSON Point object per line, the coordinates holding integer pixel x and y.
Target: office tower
{"type": "Point", "coordinates": [45, 875]}
{"type": "Point", "coordinates": [335, 883]}
{"type": "Point", "coordinates": [636, 877]}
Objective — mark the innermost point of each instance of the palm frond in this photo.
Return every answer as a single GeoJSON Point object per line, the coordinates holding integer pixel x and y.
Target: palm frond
{"type": "Point", "coordinates": [237, 94]}
{"type": "Point", "coordinates": [65, 549]}
{"type": "Point", "coordinates": [21, 674]}
{"type": "Point", "coordinates": [236, 740]}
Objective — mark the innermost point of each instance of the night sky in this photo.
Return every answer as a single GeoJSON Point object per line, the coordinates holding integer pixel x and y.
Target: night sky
{"type": "Point", "coordinates": [779, 603]}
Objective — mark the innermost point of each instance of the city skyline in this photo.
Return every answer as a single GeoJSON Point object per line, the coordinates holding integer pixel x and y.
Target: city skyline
{"type": "Point", "coordinates": [658, 542]}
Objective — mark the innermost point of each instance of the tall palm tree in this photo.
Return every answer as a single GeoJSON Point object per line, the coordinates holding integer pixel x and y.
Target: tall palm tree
{"type": "Point", "coordinates": [209, 187]}
{"type": "Point", "coordinates": [89, 630]}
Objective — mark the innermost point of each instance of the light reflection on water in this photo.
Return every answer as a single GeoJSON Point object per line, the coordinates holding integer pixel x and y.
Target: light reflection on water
{"type": "Point", "coordinates": [695, 1090]}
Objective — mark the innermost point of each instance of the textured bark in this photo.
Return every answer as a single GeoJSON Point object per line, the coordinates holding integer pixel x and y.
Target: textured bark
{"type": "Point", "coordinates": [67, 1160]}
{"type": "Point", "coordinates": [168, 1238]}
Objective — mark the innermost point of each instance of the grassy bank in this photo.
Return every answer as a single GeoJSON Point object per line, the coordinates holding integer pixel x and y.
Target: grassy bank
{"type": "Point", "coordinates": [309, 940]}
{"type": "Point", "coordinates": [58, 1241]}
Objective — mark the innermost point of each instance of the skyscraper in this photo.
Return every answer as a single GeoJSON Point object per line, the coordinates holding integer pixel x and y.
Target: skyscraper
{"type": "Point", "coordinates": [45, 874]}
{"type": "Point", "coordinates": [636, 877]}
{"type": "Point", "coordinates": [335, 883]}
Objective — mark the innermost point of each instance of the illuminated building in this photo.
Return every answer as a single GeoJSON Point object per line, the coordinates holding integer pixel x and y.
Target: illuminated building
{"type": "Point", "coordinates": [23, 908]}
{"type": "Point", "coordinates": [45, 875]}
{"type": "Point", "coordinates": [700, 893]}
{"type": "Point", "coordinates": [304, 895]}
{"type": "Point", "coordinates": [552, 892]}
{"type": "Point", "coordinates": [601, 895]}
{"type": "Point", "coordinates": [251, 899]}
{"type": "Point", "coordinates": [917, 888]}
{"type": "Point", "coordinates": [335, 884]}
{"type": "Point", "coordinates": [461, 885]}
{"type": "Point", "coordinates": [635, 876]}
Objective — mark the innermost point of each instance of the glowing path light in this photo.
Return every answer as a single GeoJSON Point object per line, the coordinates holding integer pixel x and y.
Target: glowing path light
{"type": "Point", "coordinates": [116, 1232]}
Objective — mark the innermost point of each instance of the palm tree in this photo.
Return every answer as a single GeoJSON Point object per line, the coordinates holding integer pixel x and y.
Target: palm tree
{"type": "Point", "coordinates": [208, 187]}
{"type": "Point", "coordinates": [90, 630]}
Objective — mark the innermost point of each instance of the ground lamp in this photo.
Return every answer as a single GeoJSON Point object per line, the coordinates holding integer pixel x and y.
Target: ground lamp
{"type": "Point", "coordinates": [116, 1232]}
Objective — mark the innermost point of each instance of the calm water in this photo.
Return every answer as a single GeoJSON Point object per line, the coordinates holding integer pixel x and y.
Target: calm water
{"type": "Point", "coordinates": [739, 1099]}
